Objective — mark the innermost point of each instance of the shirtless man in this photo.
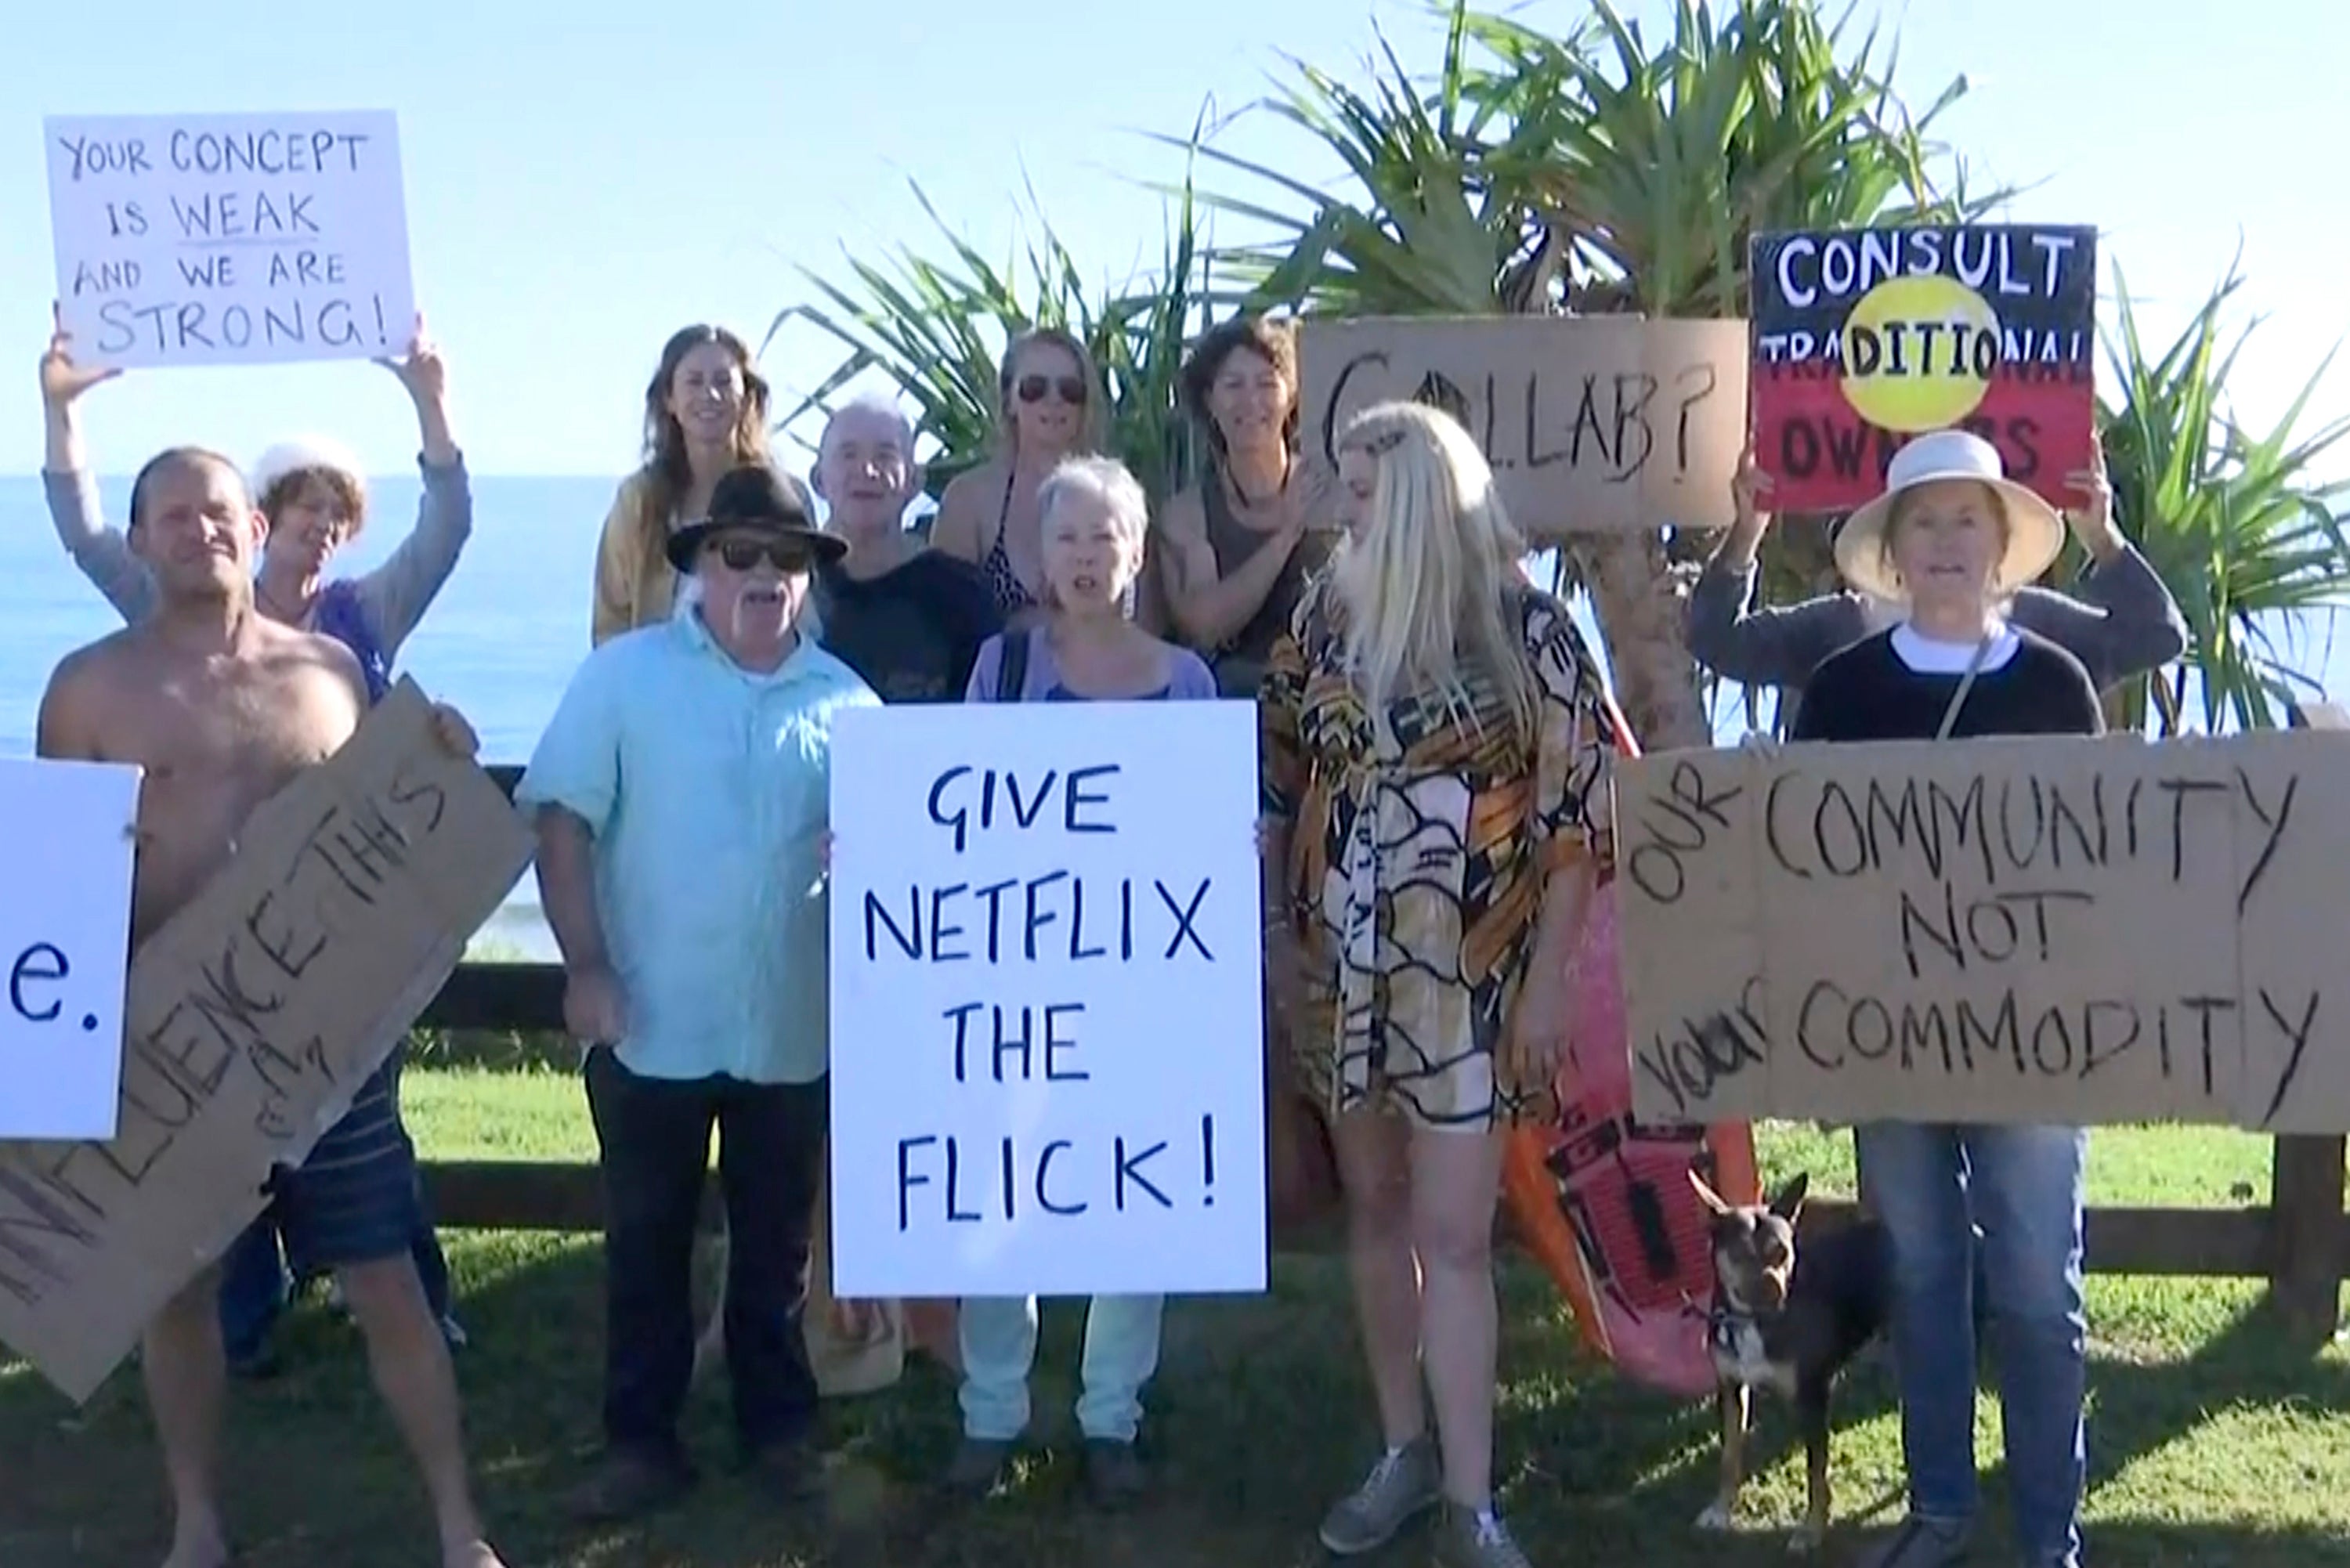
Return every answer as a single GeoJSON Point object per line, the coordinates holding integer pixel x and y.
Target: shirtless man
{"type": "Point", "coordinates": [220, 707]}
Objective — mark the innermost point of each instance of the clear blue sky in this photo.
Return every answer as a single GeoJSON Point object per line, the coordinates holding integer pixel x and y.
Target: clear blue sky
{"type": "Point", "coordinates": [582, 177]}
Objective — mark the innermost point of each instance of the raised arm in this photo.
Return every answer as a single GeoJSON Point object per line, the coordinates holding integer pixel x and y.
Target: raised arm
{"type": "Point", "coordinates": [397, 593]}
{"type": "Point", "coordinates": [101, 553]}
{"type": "Point", "coordinates": [1771, 647]}
{"type": "Point", "coordinates": [2124, 621]}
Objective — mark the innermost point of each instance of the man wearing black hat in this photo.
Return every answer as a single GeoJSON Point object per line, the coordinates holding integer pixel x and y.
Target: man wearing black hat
{"type": "Point", "coordinates": [680, 793]}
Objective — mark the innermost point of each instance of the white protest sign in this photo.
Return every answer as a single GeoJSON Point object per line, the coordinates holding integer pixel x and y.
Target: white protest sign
{"type": "Point", "coordinates": [1047, 1021]}
{"type": "Point", "coordinates": [65, 944]}
{"type": "Point", "coordinates": [229, 239]}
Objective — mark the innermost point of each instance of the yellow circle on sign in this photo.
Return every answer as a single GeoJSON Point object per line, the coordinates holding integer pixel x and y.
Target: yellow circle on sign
{"type": "Point", "coordinates": [1918, 353]}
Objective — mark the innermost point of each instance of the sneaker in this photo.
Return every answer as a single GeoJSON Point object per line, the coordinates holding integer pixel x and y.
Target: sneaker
{"type": "Point", "coordinates": [1113, 1472]}
{"type": "Point", "coordinates": [1921, 1544]}
{"type": "Point", "coordinates": [1467, 1539]}
{"type": "Point", "coordinates": [1402, 1485]}
{"type": "Point", "coordinates": [978, 1467]}
{"type": "Point", "coordinates": [627, 1486]}
{"type": "Point", "coordinates": [452, 1332]}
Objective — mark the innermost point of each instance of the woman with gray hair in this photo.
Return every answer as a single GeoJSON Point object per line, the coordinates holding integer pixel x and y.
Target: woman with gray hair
{"type": "Point", "coordinates": [1085, 648]}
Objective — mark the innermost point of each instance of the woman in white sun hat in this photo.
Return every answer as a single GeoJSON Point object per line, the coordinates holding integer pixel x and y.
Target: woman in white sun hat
{"type": "Point", "coordinates": [1950, 542]}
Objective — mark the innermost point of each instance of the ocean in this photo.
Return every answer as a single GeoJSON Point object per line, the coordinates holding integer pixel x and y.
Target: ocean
{"type": "Point", "coordinates": [504, 637]}
{"type": "Point", "coordinates": [500, 642]}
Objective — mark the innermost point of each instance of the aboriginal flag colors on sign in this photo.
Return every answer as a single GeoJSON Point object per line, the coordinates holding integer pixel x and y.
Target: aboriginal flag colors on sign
{"type": "Point", "coordinates": [1865, 339]}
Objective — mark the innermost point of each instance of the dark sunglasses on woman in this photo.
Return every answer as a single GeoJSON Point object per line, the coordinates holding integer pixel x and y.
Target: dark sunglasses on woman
{"type": "Point", "coordinates": [1032, 389]}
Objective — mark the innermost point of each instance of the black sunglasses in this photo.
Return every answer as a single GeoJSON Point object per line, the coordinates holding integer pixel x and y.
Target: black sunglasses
{"type": "Point", "coordinates": [785, 554]}
{"type": "Point", "coordinates": [1032, 389]}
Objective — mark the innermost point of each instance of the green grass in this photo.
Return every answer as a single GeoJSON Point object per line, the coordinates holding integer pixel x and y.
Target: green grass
{"type": "Point", "coordinates": [2212, 1444]}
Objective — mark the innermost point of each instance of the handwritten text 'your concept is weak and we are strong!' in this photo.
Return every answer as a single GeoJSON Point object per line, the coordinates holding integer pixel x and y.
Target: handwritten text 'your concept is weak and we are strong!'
{"type": "Point", "coordinates": [2045, 927]}
{"type": "Point", "coordinates": [263, 253]}
{"type": "Point", "coordinates": [1059, 927]}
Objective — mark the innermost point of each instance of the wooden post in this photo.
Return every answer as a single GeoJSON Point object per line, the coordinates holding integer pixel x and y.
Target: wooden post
{"type": "Point", "coordinates": [2306, 1261]}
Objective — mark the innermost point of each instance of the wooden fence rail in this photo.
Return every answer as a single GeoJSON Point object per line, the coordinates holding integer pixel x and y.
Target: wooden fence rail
{"type": "Point", "coordinates": [2300, 1243]}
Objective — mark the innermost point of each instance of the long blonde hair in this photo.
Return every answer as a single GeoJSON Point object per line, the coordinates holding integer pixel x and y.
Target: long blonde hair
{"type": "Point", "coordinates": [1426, 581]}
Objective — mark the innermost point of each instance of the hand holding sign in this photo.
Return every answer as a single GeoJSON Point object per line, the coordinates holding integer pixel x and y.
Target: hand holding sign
{"type": "Point", "coordinates": [2093, 522]}
{"type": "Point", "coordinates": [63, 381]}
{"type": "Point", "coordinates": [423, 372]}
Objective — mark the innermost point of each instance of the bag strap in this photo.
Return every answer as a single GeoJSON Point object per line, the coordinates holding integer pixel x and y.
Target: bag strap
{"type": "Point", "coordinates": [1966, 684]}
{"type": "Point", "coordinates": [1012, 666]}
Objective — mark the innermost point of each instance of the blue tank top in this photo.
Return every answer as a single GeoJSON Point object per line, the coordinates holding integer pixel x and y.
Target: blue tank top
{"type": "Point", "coordinates": [342, 615]}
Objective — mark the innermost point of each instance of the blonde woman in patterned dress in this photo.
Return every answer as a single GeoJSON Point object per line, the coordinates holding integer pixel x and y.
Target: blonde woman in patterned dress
{"type": "Point", "coordinates": [1437, 765]}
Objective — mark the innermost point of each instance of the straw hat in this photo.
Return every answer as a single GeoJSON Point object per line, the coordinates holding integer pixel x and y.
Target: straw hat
{"type": "Point", "coordinates": [2035, 534]}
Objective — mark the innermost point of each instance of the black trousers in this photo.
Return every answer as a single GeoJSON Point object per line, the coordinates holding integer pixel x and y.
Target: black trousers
{"type": "Point", "coordinates": [654, 1134]}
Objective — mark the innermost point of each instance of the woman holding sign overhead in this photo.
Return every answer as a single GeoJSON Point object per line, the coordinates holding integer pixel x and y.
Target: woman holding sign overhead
{"type": "Point", "coordinates": [315, 497]}
{"type": "Point", "coordinates": [1950, 541]}
{"type": "Point", "coordinates": [1436, 751]}
{"type": "Point", "coordinates": [1093, 519]}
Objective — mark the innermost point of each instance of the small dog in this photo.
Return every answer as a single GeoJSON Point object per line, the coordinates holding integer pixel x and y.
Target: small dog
{"type": "Point", "coordinates": [1792, 1328]}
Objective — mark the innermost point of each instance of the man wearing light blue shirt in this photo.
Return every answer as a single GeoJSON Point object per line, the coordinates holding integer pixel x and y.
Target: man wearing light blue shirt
{"type": "Point", "coordinates": [681, 794]}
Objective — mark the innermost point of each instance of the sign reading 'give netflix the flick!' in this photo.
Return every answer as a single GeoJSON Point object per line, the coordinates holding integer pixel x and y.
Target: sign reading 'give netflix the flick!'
{"type": "Point", "coordinates": [229, 239]}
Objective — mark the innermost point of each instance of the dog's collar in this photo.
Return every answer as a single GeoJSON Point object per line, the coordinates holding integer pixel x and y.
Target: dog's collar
{"type": "Point", "coordinates": [1724, 1320]}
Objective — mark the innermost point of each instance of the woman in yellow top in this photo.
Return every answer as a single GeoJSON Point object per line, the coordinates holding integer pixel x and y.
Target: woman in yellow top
{"type": "Point", "coordinates": [1436, 760]}
{"type": "Point", "coordinates": [705, 412]}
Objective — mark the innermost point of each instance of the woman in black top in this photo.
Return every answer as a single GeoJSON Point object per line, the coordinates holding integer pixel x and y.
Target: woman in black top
{"type": "Point", "coordinates": [1952, 540]}
{"type": "Point", "coordinates": [1243, 543]}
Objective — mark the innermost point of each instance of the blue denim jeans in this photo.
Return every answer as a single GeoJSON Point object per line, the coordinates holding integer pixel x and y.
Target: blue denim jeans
{"type": "Point", "coordinates": [999, 1346]}
{"type": "Point", "coordinates": [2023, 1186]}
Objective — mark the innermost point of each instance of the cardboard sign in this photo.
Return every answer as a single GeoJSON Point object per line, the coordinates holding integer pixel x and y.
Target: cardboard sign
{"type": "Point", "coordinates": [2031, 930]}
{"type": "Point", "coordinates": [229, 239]}
{"type": "Point", "coordinates": [65, 940]}
{"type": "Point", "coordinates": [1593, 424]}
{"type": "Point", "coordinates": [1865, 339]}
{"type": "Point", "coordinates": [1047, 1020]}
{"type": "Point", "coordinates": [255, 1014]}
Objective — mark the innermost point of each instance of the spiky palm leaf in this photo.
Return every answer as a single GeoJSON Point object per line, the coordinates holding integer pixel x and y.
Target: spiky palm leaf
{"type": "Point", "coordinates": [2238, 525]}
{"type": "Point", "coordinates": [937, 326]}
{"type": "Point", "coordinates": [1589, 172]}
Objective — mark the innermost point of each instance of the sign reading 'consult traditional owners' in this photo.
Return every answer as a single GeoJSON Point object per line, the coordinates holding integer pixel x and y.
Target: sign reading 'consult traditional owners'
{"type": "Point", "coordinates": [2029, 930]}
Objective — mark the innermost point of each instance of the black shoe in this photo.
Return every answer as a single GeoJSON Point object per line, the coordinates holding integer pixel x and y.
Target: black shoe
{"type": "Point", "coordinates": [977, 1467]}
{"type": "Point", "coordinates": [1114, 1473]}
{"type": "Point", "coordinates": [628, 1486]}
{"type": "Point", "coordinates": [787, 1471]}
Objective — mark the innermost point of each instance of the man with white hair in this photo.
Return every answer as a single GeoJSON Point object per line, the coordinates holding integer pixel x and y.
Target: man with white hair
{"type": "Point", "coordinates": [906, 618]}
{"type": "Point", "coordinates": [909, 620]}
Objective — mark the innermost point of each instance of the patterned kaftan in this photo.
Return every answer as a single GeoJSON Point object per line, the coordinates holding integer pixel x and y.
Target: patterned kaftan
{"type": "Point", "coordinates": [1416, 868]}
